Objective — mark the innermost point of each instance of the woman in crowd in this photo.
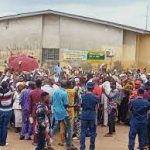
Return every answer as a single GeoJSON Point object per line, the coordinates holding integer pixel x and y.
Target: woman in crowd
{"type": "Point", "coordinates": [17, 106]}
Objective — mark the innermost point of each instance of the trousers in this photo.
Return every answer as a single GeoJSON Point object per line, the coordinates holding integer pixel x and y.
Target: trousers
{"type": "Point", "coordinates": [26, 130]}
{"type": "Point", "coordinates": [5, 117]}
{"type": "Point", "coordinates": [41, 139]}
{"type": "Point", "coordinates": [111, 122]}
{"type": "Point", "coordinates": [137, 128]}
{"type": "Point", "coordinates": [67, 127]}
{"type": "Point", "coordinates": [85, 126]}
{"type": "Point", "coordinates": [148, 128]}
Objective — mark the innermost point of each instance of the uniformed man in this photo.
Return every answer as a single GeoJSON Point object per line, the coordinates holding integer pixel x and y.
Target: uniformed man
{"type": "Point", "coordinates": [139, 108]}
{"type": "Point", "coordinates": [88, 117]}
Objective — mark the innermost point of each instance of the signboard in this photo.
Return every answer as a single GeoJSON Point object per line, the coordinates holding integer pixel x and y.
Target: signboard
{"type": "Point", "coordinates": [75, 55]}
{"type": "Point", "coordinates": [96, 56]}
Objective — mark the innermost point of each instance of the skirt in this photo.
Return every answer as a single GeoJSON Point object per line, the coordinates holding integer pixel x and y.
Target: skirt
{"type": "Point", "coordinates": [18, 118]}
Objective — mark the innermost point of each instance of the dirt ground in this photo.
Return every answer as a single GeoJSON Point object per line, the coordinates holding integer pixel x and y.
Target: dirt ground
{"type": "Point", "coordinates": [117, 142]}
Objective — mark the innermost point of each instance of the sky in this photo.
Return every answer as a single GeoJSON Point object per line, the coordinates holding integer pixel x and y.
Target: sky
{"type": "Point", "coordinates": [128, 12]}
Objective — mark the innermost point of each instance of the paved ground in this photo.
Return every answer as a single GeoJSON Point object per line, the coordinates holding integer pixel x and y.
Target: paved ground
{"type": "Point", "coordinates": [118, 142]}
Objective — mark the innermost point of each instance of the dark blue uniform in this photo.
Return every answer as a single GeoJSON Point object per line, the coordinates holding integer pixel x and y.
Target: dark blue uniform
{"type": "Point", "coordinates": [88, 119]}
{"type": "Point", "coordinates": [138, 123]}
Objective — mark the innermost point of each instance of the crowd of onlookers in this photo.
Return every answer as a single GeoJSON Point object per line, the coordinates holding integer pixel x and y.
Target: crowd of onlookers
{"type": "Point", "coordinates": [72, 103]}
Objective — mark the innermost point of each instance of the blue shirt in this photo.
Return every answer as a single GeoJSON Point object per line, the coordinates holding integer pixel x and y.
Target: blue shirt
{"type": "Point", "coordinates": [59, 102]}
{"type": "Point", "coordinates": [57, 70]}
{"type": "Point", "coordinates": [89, 102]}
{"type": "Point", "coordinates": [139, 108]}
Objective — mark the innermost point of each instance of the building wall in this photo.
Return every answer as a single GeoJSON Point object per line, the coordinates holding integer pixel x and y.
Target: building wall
{"type": "Point", "coordinates": [73, 34]}
{"type": "Point", "coordinates": [82, 35]}
{"type": "Point", "coordinates": [51, 31]}
{"type": "Point", "coordinates": [129, 49]}
{"type": "Point", "coordinates": [31, 34]}
{"type": "Point", "coordinates": [144, 51]}
{"type": "Point", "coordinates": [20, 35]}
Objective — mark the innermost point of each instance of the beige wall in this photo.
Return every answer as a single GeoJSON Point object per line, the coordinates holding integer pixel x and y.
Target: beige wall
{"type": "Point", "coordinates": [129, 49]}
{"type": "Point", "coordinates": [30, 34]}
{"type": "Point", "coordinates": [144, 51]}
{"type": "Point", "coordinates": [20, 35]}
{"type": "Point", "coordinates": [51, 31]}
{"type": "Point", "coordinates": [82, 35]}
{"type": "Point", "coordinates": [67, 33]}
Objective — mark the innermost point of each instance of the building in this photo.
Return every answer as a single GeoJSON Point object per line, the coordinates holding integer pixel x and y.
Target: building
{"type": "Point", "coordinates": [46, 34]}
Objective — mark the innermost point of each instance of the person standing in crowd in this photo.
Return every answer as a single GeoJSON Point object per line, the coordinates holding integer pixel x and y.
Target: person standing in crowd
{"type": "Point", "coordinates": [98, 92]}
{"type": "Point", "coordinates": [17, 106]}
{"type": "Point", "coordinates": [47, 87]}
{"type": "Point", "coordinates": [26, 130]}
{"type": "Point", "coordinates": [137, 85]}
{"type": "Point", "coordinates": [147, 96]}
{"type": "Point", "coordinates": [123, 110]}
{"type": "Point", "coordinates": [72, 95]}
{"type": "Point", "coordinates": [112, 109]}
{"type": "Point", "coordinates": [60, 105]}
{"type": "Point", "coordinates": [42, 127]}
{"type": "Point", "coordinates": [71, 102]}
{"type": "Point", "coordinates": [6, 102]}
{"type": "Point", "coordinates": [35, 97]}
{"type": "Point", "coordinates": [107, 88]}
{"type": "Point", "coordinates": [88, 117]}
{"type": "Point", "coordinates": [79, 88]}
{"type": "Point", "coordinates": [58, 69]}
{"type": "Point", "coordinates": [138, 123]}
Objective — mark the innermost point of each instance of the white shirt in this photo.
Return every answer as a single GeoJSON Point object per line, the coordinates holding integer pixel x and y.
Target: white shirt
{"type": "Point", "coordinates": [16, 104]}
{"type": "Point", "coordinates": [47, 88]}
{"type": "Point", "coordinates": [106, 86]}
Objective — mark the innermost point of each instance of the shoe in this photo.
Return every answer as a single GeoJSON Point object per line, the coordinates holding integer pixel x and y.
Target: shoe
{"type": "Point", "coordinates": [145, 147]}
{"type": "Point", "coordinates": [35, 144]}
{"type": "Point", "coordinates": [6, 144]}
{"type": "Point", "coordinates": [50, 148]}
{"type": "Point", "coordinates": [75, 138]}
{"type": "Point", "coordinates": [108, 135]}
{"type": "Point", "coordinates": [28, 139]}
{"type": "Point", "coordinates": [22, 137]}
{"type": "Point", "coordinates": [61, 144]}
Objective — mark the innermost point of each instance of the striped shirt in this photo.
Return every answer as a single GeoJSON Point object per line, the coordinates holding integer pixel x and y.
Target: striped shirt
{"type": "Point", "coordinates": [6, 101]}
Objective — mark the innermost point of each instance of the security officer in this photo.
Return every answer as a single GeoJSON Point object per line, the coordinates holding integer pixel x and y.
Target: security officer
{"type": "Point", "coordinates": [138, 123]}
{"type": "Point", "coordinates": [88, 117]}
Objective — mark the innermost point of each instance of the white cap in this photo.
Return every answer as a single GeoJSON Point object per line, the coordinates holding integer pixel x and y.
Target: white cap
{"type": "Point", "coordinates": [18, 83]}
{"type": "Point", "coordinates": [77, 80]}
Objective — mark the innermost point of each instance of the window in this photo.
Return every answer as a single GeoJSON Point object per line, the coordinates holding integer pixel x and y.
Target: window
{"type": "Point", "coordinates": [50, 54]}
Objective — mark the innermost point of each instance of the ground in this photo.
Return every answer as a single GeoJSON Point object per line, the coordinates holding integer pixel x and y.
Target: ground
{"type": "Point", "coordinates": [117, 142]}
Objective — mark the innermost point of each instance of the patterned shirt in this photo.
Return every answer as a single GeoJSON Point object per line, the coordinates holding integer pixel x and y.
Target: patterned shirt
{"type": "Point", "coordinates": [6, 101]}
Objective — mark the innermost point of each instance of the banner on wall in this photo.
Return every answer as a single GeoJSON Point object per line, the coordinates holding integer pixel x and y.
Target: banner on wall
{"type": "Point", "coordinates": [96, 56]}
{"type": "Point", "coordinates": [75, 55]}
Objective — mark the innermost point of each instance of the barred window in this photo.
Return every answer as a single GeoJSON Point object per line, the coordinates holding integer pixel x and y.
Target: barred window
{"type": "Point", "coordinates": [50, 54]}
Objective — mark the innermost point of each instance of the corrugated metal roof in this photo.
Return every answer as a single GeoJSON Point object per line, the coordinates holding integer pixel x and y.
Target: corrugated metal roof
{"type": "Point", "coordinates": [45, 12]}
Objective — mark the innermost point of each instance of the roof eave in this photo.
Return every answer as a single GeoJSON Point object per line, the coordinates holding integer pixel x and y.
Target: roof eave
{"type": "Point", "coordinates": [46, 12]}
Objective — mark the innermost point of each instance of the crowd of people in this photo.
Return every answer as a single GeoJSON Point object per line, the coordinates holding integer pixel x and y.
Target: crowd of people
{"type": "Point", "coordinates": [72, 103]}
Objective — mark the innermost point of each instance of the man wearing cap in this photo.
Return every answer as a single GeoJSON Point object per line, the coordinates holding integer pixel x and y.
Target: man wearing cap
{"type": "Point", "coordinates": [138, 123]}
{"type": "Point", "coordinates": [147, 96]}
{"type": "Point", "coordinates": [88, 116]}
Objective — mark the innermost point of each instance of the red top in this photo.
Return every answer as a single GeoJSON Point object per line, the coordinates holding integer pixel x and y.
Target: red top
{"type": "Point", "coordinates": [97, 90]}
{"type": "Point", "coordinates": [35, 97]}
